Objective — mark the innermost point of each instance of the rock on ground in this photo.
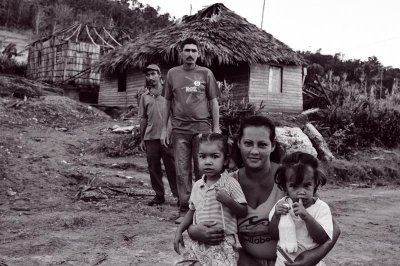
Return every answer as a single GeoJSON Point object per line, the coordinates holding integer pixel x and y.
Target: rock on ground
{"type": "Point", "coordinates": [293, 139]}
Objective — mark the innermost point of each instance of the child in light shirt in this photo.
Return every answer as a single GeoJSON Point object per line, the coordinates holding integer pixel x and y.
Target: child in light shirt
{"type": "Point", "coordinates": [215, 197]}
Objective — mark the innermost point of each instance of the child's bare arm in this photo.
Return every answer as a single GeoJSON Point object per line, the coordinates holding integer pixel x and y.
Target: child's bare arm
{"type": "Point", "coordinates": [273, 227]}
{"type": "Point", "coordinates": [187, 221]}
{"type": "Point", "coordinates": [313, 256]}
{"type": "Point", "coordinates": [239, 209]}
{"type": "Point", "coordinates": [280, 209]}
{"type": "Point", "coordinates": [316, 231]}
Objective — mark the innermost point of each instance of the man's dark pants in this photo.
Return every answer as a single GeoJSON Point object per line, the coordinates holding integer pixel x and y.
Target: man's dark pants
{"type": "Point", "coordinates": [155, 152]}
{"type": "Point", "coordinates": [185, 150]}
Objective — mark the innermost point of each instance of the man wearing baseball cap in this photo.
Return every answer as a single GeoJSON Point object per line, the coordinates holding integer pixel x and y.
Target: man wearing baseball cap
{"type": "Point", "coordinates": [151, 122]}
{"type": "Point", "coordinates": [145, 88]}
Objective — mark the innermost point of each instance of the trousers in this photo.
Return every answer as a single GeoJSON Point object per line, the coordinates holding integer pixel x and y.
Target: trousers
{"type": "Point", "coordinates": [154, 153]}
{"type": "Point", "coordinates": [185, 153]}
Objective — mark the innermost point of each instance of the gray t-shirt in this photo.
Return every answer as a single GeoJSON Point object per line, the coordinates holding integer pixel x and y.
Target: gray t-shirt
{"type": "Point", "coordinates": [150, 108]}
{"type": "Point", "coordinates": [190, 92]}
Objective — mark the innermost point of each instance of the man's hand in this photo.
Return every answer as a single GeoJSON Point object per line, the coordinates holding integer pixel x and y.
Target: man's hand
{"type": "Point", "coordinates": [164, 137]}
{"type": "Point", "coordinates": [178, 241]}
{"type": "Point", "coordinates": [142, 146]}
{"type": "Point", "coordinates": [217, 130]}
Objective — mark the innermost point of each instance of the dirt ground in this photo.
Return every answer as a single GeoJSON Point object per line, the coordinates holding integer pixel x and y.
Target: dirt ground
{"type": "Point", "coordinates": [62, 203]}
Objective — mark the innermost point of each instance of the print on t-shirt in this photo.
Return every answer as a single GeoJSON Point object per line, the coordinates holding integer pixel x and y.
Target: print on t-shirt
{"type": "Point", "coordinates": [255, 230]}
{"type": "Point", "coordinates": [196, 90]}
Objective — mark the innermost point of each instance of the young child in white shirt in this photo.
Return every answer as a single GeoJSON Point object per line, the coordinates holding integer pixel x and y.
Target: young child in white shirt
{"type": "Point", "coordinates": [299, 176]}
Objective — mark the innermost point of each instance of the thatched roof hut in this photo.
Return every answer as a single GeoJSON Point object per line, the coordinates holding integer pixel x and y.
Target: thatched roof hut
{"type": "Point", "coordinates": [233, 48]}
{"type": "Point", "coordinates": [67, 56]}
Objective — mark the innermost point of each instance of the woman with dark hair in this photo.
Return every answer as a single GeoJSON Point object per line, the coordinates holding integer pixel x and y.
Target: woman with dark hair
{"type": "Point", "coordinates": [257, 156]}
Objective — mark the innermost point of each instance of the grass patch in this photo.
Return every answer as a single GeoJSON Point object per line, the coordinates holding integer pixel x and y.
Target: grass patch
{"type": "Point", "coordinates": [77, 222]}
{"type": "Point", "coordinates": [118, 146]}
{"type": "Point", "coordinates": [368, 166]}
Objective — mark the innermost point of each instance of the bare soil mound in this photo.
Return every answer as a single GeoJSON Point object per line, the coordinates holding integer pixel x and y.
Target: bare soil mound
{"type": "Point", "coordinates": [19, 87]}
{"type": "Point", "coordinates": [49, 111]}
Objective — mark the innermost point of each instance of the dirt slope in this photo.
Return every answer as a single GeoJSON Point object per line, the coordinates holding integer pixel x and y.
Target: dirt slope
{"type": "Point", "coordinates": [46, 164]}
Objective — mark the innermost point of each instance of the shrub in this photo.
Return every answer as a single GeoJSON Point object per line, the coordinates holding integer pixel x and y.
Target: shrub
{"type": "Point", "coordinates": [231, 111]}
{"type": "Point", "coordinates": [11, 66]}
{"type": "Point", "coordinates": [359, 122]}
{"type": "Point", "coordinates": [352, 117]}
{"type": "Point", "coordinates": [118, 146]}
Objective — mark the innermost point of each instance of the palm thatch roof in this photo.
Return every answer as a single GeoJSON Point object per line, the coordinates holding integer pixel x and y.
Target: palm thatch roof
{"type": "Point", "coordinates": [225, 37]}
{"type": "Point", "coordinates": [101, 36]}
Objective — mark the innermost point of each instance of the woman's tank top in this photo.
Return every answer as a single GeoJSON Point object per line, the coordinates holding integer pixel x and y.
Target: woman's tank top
{"type": "Point", "coordinates": [253, 229]}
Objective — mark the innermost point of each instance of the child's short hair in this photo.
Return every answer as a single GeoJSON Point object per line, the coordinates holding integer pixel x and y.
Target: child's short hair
{"type": "Point", "coordinates": [216, 137]}
{"type": "Point", "coordinates": [298, 162]}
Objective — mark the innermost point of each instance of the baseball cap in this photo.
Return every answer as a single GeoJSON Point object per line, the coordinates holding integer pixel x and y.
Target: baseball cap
{"type": "Point", "coordinates": [152, 67]}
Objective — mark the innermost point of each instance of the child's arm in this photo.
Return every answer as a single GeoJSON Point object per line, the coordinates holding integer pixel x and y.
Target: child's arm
{"type": "Point", "coordinates": [316, 231]}
{"type": "Point", "coordinates": [313, 256]}
{"type": "Point", "coordinates": [280, 209]}
{"type": "Point", "coordinates": [273, 226]}
{"type": "Point", "coordinates": [238, 209]}
{"type": "Point", "coordinates": [186, 222]}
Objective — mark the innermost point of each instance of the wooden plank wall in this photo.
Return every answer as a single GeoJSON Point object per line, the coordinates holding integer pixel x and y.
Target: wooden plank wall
{"type": "Point", "coordinates": [240, 79]}
{"type": "Point", "coordinates": [56, 60]}
{"type": "Point", "coordinates": [290, 100]}
{"type": "Point", "coordinates": [41, 60]}
{"type": "Point", "coordinates": [109, 95]}
{"type": "Point", "coordinates": [237, 75]}
{"type": "Point", "coordinates": [80, 56]}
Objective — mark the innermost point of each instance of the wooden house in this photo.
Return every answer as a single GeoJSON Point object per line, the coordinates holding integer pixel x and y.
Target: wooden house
{"type": "Point", "coordinates": [67, 56]}
{"type": "Point", "coordinates": [261, 67]}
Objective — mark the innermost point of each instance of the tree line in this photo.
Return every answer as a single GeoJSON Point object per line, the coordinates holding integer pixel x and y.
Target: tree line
{"type": "Point", "coordinates": [368, 73]}
{"type": "Point", "coordinates": [44, 17]}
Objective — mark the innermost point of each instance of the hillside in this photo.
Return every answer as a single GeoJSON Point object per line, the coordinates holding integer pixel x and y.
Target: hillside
{"type": "Point", "coordinates": [44, 17]}
{"type": "Point", "coordinates": [20, 39]}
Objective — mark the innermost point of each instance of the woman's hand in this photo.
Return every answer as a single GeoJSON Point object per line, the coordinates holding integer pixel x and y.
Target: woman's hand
{"type": "Point", "coordinates": [208, 232]}
{"type": "Point", "coordinates": [178, 240]}
{"type": "Point", "coordinates": [305, 258]}
{"type": "Point", "coordinates": [313, 256]}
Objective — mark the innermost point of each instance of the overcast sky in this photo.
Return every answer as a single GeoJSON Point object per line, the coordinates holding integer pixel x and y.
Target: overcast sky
{"type": "Point", "coordinates": [356, 28]}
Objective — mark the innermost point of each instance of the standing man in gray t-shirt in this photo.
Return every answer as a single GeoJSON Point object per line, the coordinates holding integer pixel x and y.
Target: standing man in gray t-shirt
{"type": "Point", "coordinates": [191, 92]}
{"type": "Point", "coordinates": [151, 116]}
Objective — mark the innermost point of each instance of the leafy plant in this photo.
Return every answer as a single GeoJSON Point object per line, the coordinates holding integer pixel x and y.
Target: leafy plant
{"type": "Point", "coordinates": [231, 111]}
{"type": "Point", "coordinates": [354, 119]}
